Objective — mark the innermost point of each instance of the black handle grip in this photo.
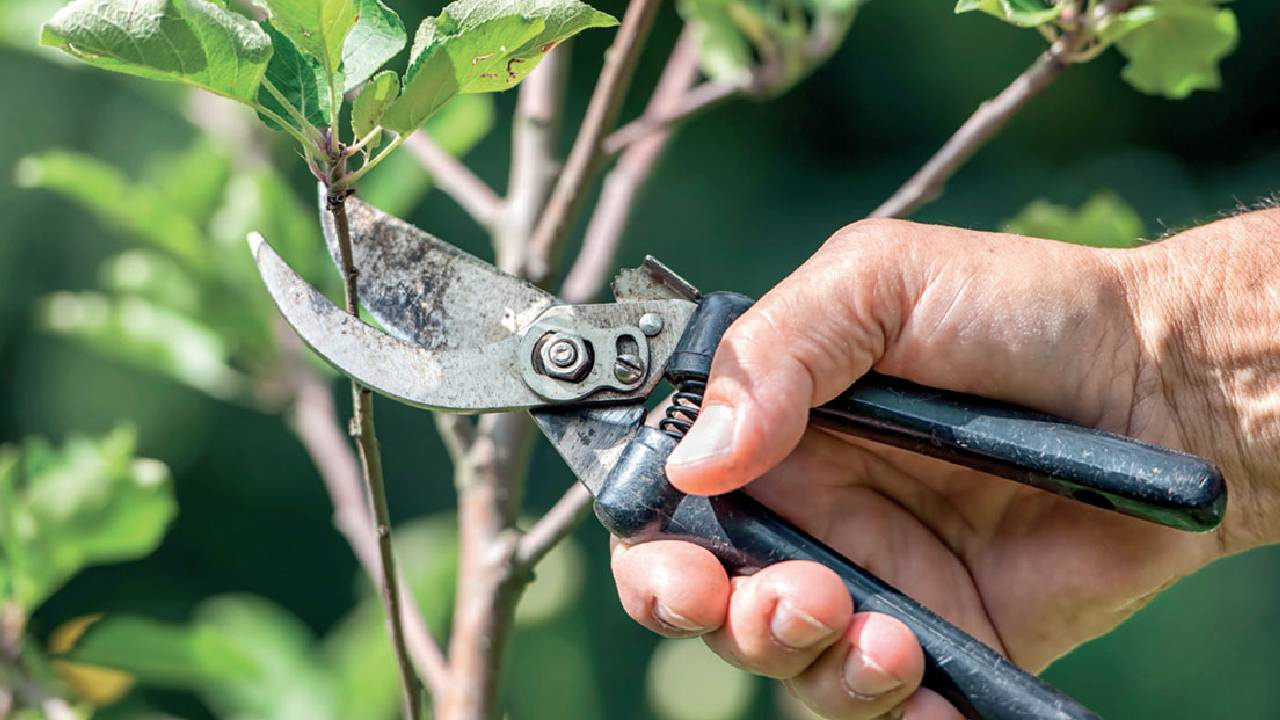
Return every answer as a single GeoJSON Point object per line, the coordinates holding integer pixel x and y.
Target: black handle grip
{"type": "Point", "coordinates": [1089, 465]}
{"type": "Point", "coordinates": [637, 503]}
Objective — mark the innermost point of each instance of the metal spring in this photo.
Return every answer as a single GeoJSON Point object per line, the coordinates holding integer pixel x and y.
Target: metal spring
{"type": "Point", "coordinates": [685, 405]}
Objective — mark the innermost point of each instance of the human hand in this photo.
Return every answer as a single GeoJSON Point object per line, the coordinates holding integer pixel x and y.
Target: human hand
{"type": "Point", "coordinates": [1145, 342]}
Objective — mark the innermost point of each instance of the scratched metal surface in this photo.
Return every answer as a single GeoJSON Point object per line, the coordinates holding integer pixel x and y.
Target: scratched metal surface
{"type": "Point", "coordinates": [425, 290]}
{"type": "Point", "coordinates": [472, 379]}
{"type": "Point", "coordinates": [590, 439]}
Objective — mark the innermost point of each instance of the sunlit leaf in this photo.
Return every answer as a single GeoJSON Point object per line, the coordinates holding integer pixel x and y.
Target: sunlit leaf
{"type": "Point", "coordinates": [477, 46]}
{"type": "Point", "coordinates": [195, 42]}
{"type": "Point", "coordinates": [374, 97]}
{"type": "Point", "coordinates": [1174, 46]}
{"type": "Point", "coordinates": [141, 333]}
{"type": "Point", "coordinates": [1103, 221]}
{"type": "Point", "coordinates": [318, 28]}
{"type": "Point", "coordinates": [85, 503]}
{"type": "Point", "coordinates": [301, 80]}
{"type": "Point", "coordinates": [1023, 13]}
{"type": "Point", "coordinates": [107, 193]}
{"type": "Point", "coordinates": [377, 37]}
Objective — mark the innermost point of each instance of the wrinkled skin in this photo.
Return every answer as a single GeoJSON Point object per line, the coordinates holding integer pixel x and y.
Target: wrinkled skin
{"type": "Point", "coordinates": [1174, 343]}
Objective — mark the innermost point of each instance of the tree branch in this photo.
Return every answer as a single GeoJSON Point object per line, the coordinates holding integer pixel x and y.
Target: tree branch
{"type": "Point", "coordinates": [314, 421]}
{"type": "Point", "coordinates": [928, 182]}
{"type": "Point", "coordinates": [362, 430]}
{"type": "Point", "coordinates": [622, 184]}
{"type": "Point", "coordinates": [695, 101]}
{"type": "Point", "coordinates": [455, 179]}
{"type": "Point", "coordinates": [535, 159]}
{"type": "Point", "coordinates": [551, 528]}
{"type": "Point", "coordinates": [587, 153]}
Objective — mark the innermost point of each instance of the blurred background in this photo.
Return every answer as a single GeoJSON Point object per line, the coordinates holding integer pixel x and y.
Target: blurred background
{"type": "Point", "coordinates": [90, 341]}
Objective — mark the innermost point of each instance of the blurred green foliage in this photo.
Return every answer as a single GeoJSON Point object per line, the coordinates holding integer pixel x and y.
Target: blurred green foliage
{"type": "Point", "coordinates": [124, 234]}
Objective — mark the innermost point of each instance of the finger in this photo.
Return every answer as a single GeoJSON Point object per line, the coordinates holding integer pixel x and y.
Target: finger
{"type": "Point", "coordinates": [801, 344]}
{"type": "Point", "coordinates": [875, 667]}
{"type": "Point", "coordinates": [928, 705]}
{"type": "Point", "coordinates": [674, 588]}
{"type": "Point", "coordinates": [782, 618]}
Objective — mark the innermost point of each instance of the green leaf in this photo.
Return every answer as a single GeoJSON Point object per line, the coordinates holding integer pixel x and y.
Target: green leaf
{"type": "Point", "coordinates": [1104, 220]}
{"type": "Point", "coordinates": [142, 333]}
{"type": "Point", "coordinates": [399, 182]}
{"type": "Point", "coordinates": [1023, 13]}
{"type": "Point", "coordinates": [478, 46]}
{"type": "Point", "coordinates": [1174, 46]}
{"type": "Point", "coordinates": [374, 97]}
{"type": "Point", "coordinates": [376, 38]}
{"type": "Point", "coordinates": [686, 681]}
{"type": "Point", "coordinates": [161, 654]}
{"type": "Point", "coordinates": [104, 191]}
{"type": "Point", "coordinates": [317, 27]}
{"type": "Point", "coordinates": [88, 502]}
{"type": "Point", "coordinates": [195, 42]}
{"type": "Point", "coordinates": [301, 80]}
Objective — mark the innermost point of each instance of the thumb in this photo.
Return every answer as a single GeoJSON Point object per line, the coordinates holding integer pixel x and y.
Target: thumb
{"type": "Point", "coordinates": [799, 346]}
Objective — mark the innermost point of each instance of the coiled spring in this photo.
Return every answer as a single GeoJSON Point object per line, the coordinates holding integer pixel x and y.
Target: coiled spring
{"type": "Point", "coordinates": [685, 405]}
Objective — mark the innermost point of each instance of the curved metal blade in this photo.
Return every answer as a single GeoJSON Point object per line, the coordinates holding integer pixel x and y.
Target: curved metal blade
{"type": "Point", "coordinates": [423, 289]}
{"type": "Point", "coordinates": [475, 379]}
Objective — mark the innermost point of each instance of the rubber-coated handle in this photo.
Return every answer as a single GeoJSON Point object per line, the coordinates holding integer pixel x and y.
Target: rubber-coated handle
{"type": "Point", "coordinates": [1089, 465]}
{"type": "Point", "coordinates": [637, 503]}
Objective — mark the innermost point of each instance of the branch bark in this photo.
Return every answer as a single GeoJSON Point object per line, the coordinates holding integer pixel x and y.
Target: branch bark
{"type": "Point", "coordinates": [591, 268]}
{"type": "Point", "coordinates": [697, 100]}
{"type": "Point", "coordinates": [928, 182]}
{"type": "Point", "coordinates": [456, 179]}
{"type": "Point", "coordinates": [314, 421]}
{"type": "Point", "coordinates": [587, 153]}
{"type": "Point", "coordinates": [362, 430]}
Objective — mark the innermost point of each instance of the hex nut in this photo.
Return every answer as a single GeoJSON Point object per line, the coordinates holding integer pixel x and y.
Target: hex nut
{"type": "Point", "coordinates": [563, 356]}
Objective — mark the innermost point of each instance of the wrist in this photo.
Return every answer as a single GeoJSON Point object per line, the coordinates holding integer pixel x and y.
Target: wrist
{"type": "Point", "coordinates": [1209, 331]}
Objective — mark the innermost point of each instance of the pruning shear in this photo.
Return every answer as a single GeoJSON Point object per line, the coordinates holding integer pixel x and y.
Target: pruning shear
{"type": "Point", "coordinates": [462, 337]}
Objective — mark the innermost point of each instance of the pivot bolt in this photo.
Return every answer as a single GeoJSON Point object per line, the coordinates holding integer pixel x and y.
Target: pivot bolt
{"type": "Point", "coordinates": [563, 356]}
{"type": "Point", "coordinates": [628, 369]}
{"type": "Point", "coordinates": [651, 324]}
{"type": "Point", "coordinates": [562, 353]}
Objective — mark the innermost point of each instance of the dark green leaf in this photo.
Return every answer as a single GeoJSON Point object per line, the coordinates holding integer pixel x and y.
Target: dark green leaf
{"type": "Point", "coordinates": [1023, 13]}
{"type": "Point", "coordinates": [190, 41]}
{"type": "Point", "coordinates": [301, 80]}
{"type": "Point", "coordinates": [376, 38]}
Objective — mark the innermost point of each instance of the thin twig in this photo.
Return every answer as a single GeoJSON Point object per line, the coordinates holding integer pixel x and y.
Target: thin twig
{"type": "Point", "coordinates": [586, 155]}
{"type": "Point", "coordinates": [314, 420]}
{"type": "Point", "coordinates": [928, 182]}
{"type": "Point", "coordinates": [553, 527]}
{"type": "Point", "coordinates": [455, 179]}
{"type": "Point", "coordinates": [362, 430]}
{"type": "Point", "coordinates": [695, 101]}
{"type": "Point", "coordinates": [623, 183]}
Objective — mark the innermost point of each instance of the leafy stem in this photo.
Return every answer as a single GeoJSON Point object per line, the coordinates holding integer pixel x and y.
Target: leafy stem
{"type": "Point", "coordinates": [349, 180]}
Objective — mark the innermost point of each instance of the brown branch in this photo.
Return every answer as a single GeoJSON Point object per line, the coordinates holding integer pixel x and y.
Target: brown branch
{"type": "Point", "coordinates": [928, 182]}
{"type": "Point", "coordinates": [314, 421]}
{"type": "Point", "coordinates": [535, 160]}
{"type": "Point", "coordinates": [623, 183]}
{"type": "Point", "coordinates": [362, 430]}
{"type": "Point", "coordinates": [695, 101]}
{"type": "Point", "coordinates": [455, 179]}
{"type": "Point", "coordinates": [552, 527]}
{"type": "Point", "coordinates": [587, 153]}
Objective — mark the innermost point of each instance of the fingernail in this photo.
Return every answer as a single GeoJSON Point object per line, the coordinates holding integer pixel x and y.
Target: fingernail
{"type": "Point", "coordinates": [711, 435]}
{"type": "Point", "coordinates": [865, 679]}
{"type": "Point", "coordinates": [796, 629]}
{"type": "Point", "coordinates": [675, 621]}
